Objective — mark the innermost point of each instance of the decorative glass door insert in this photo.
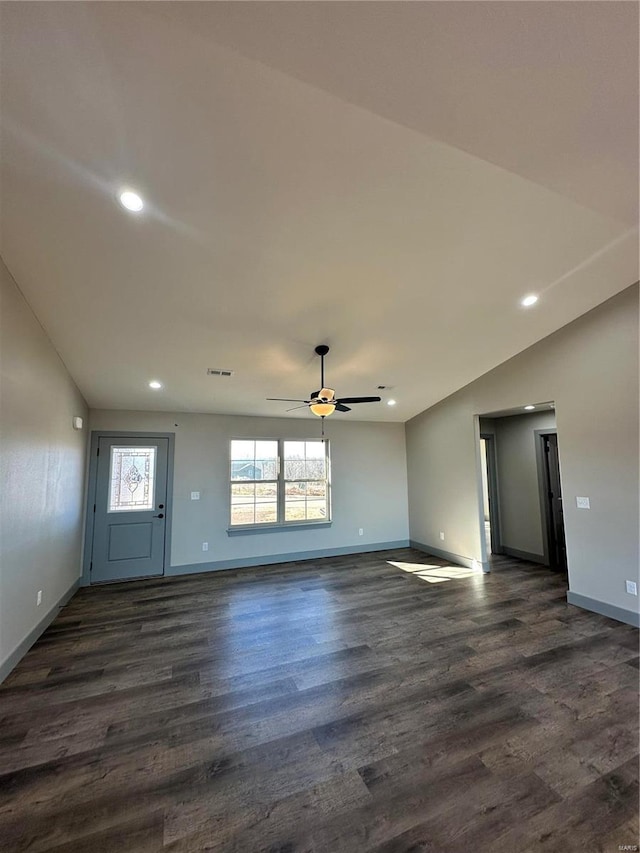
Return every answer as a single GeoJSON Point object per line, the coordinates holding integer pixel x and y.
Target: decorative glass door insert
{"type": "Point", "coordinates": [132, 479]}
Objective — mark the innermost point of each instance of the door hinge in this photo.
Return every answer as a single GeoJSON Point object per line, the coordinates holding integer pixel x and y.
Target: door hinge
{"type": "Point", "coordinates": [98, 452]}
{"type": "Point", "coordinates": [94, 507]}
{"type": "Point", "coordinates": [91, 566]}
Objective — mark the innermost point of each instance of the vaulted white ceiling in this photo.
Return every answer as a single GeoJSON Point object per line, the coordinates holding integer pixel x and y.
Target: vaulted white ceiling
{"type": "Point", "coordinates": [387, 178]}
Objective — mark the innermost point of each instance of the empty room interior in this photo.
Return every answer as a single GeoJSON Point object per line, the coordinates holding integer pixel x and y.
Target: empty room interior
{"type": "Point", "coordinates": [319, 426]}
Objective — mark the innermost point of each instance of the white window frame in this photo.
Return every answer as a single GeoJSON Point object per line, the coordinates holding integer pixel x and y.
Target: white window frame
{"type": "Point", "coordinates": [280, 488]}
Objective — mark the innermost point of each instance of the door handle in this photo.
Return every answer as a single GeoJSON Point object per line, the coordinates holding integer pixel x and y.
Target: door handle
{"type": "Point", "coordinates": [159, 516]}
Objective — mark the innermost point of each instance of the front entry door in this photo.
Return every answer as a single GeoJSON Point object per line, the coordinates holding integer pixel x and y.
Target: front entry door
{"type": "Point", "coordinates": [130, 508]}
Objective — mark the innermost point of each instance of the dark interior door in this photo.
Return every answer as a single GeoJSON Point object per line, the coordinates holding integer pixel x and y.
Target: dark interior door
{"type": "Point", "coordinates": [555, 518]}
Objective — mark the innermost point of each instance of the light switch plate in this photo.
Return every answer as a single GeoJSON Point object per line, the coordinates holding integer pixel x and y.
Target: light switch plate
{"type": "Point", "coordinates": [583, 503]}
{"type": "Point", "coordinates": [195, 496]}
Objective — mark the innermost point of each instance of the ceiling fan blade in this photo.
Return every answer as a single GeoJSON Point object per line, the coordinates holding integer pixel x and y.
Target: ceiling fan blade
{"type": "Point", "coordinates": [287, 400]}
{"type": "Point", "coordinates": [359, 400]}
{"type": "Point", "coordinates": [341, 408]}
{"type": "Point", "coordinates": [314, 395]}
{"type": "Point", "coordinates": [297, 407]}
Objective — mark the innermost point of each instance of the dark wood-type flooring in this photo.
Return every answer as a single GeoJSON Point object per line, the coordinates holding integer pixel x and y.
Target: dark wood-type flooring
{"type": "Point", "coordinates": [336, 705]}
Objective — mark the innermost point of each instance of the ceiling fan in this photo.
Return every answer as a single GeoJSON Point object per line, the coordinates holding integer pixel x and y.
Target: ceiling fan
{"type": "Point", "coordinates": [324, 402]}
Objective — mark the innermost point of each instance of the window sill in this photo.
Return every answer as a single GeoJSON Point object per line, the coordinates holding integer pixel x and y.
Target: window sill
{"type": "Point", "coordinates": [276, 528]}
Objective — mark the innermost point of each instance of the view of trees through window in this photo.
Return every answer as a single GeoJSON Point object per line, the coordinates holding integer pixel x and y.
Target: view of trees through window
{"type": "Point", "coordinates": [263, 491]}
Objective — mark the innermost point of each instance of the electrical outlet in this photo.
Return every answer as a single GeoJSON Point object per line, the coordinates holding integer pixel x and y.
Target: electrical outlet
{"type": "Point", "coordinates": [583, 503]}
{"type": "Point", "coordinates": [39, 598]}
{"type": "Point", "coordinates": [360, 531]}
{"type": "Point", "coordinates": [632, 587]}
{"type": "Point", "coordinates": [442, 535]}
{"type": "Point", "coordinates": [205, 546]}
{"type": "Point", "coordinates": [195, 496]}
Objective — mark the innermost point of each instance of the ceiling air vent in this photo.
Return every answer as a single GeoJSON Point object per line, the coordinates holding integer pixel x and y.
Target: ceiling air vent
{"type": "Point", "coordinates": [218, 371]}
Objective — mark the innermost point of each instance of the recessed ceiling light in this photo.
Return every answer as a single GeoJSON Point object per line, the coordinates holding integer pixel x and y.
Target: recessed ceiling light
{"type": "Point", "coordinates": [529, 300]}
{"type": "Point", "coordinates": [391, 402]}
{"type": "Point", "coordinates": [131, 201]}
{"type": "Point", "coordinates": [529, 408]}
{"type": "Point", "coordinates": [155, 384]}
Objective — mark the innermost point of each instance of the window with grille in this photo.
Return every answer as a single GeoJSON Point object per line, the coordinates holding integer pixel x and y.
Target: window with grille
{"type": "Point", "coordinates": [279, 481]}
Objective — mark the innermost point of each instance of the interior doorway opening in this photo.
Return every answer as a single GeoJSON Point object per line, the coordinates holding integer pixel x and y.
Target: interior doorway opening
{"type": "Point", "coordinates": [520, 491]}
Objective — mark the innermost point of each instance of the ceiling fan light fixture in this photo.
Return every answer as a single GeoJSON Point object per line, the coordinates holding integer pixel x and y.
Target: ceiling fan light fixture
{"type": "Point", "coordinates": [322, 410]}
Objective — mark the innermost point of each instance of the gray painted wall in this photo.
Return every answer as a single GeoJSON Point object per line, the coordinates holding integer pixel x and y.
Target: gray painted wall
{"type": "Point", "coordinates": [590, 369]}
{"type": "Point", "coordinates": [369, 483]}
{"type": "Point", "coordinates": [521, 520]}
{"type": "Point", "coordinates": [42, 466]}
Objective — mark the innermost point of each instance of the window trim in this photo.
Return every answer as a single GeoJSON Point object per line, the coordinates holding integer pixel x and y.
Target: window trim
{"type": "Point", "coordinates": [280, 524]}
{"type": "Point", "coordinates": [276, 527]}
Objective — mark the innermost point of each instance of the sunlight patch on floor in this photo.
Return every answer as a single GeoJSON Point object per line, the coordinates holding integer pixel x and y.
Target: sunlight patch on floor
{"type": "Point", "coordinates": [436, 574]}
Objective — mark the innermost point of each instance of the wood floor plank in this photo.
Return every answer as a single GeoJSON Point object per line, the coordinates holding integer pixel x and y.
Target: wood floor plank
{"type": "Point", "coordinates": [339, 704]}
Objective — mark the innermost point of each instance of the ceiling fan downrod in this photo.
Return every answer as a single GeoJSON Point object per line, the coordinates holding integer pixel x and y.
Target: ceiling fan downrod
{"type": "Point", "coordinates": [321, 350]}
